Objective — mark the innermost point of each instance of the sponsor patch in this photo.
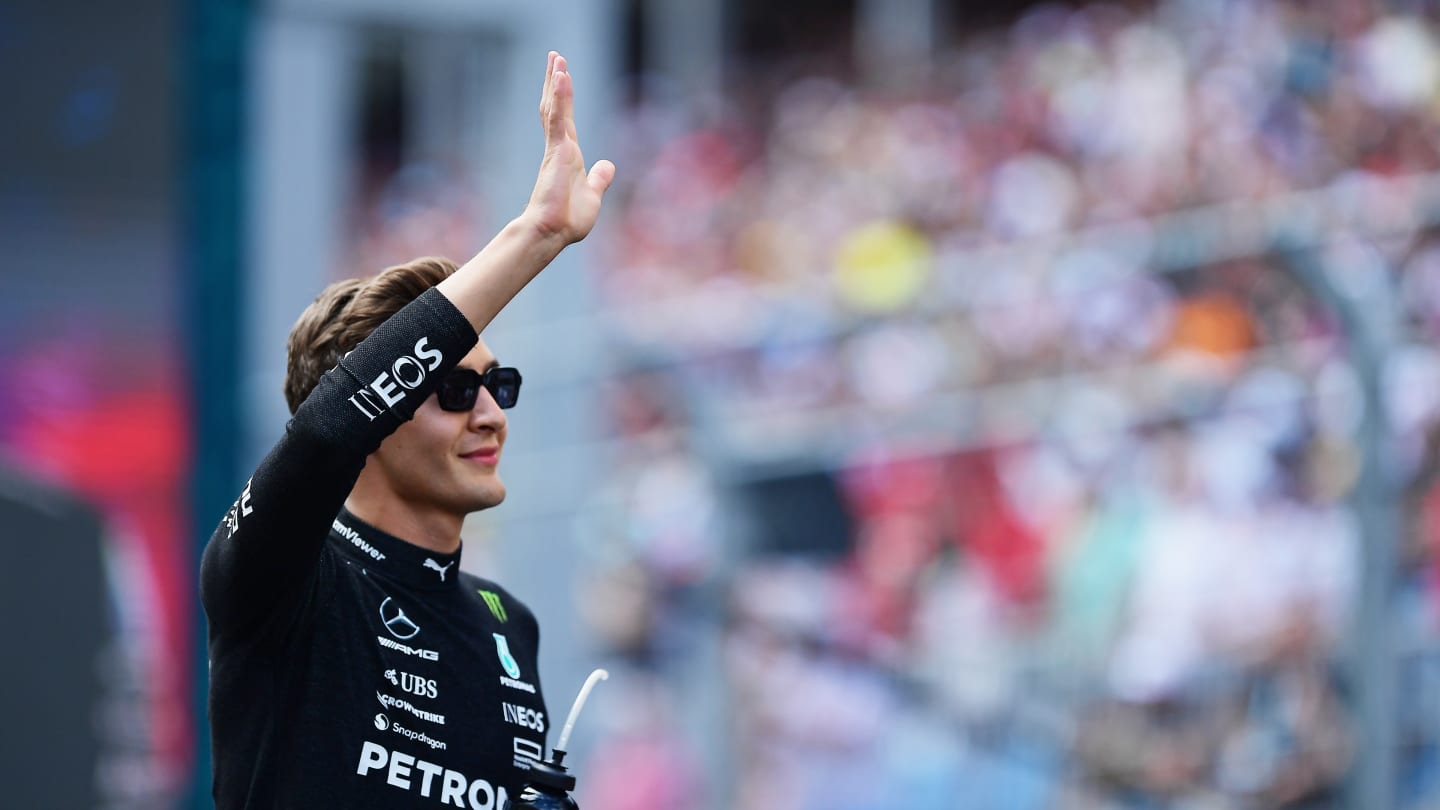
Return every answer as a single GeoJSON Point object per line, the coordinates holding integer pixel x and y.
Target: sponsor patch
{"type": "Point", "coordinates": [392, 702]}
{"type": "Point", "coordinates": [523, 716]}
{"type": "Point", "coordinates": [418, 652]}
{"type": "Point", "coordinates": [396, 622]}
{"type": "Point", "coordinates": [527, 752]}
{"type": "Point", "coordinates": [492, 601]}
{"type": "Point", "coordinates": [405, 374]}
{"type": "Point", "coordinates": [502, 648]}
{"type": "Point", "coordinates": [431, 781]}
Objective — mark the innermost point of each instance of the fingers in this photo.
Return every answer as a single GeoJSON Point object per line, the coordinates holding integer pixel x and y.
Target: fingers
{"type": "Point", "coordinates": [557, 112]}
{"type": "Point", "coordinates": [545, 104]}
{"type": "Point", "coordinates": [602, 174]}
{"type": "Point", "coordinates": [561, 121]}
{"type": "Point", "coordinates": [566, 99]}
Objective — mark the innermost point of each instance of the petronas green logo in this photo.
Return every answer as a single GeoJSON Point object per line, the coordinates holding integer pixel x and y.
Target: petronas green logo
{"type": "Point", "coordinates": [502, 647]}
{"type": "Point", "coordinates": [492, 601]}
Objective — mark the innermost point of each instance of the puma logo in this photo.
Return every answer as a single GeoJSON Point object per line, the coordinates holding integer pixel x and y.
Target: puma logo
{"type": "Point", "coordinates": [429, 563]}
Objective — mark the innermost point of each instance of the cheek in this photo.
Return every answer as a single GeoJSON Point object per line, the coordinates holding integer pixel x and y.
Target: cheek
{"type": "Point", "coordinates": [426, 434]}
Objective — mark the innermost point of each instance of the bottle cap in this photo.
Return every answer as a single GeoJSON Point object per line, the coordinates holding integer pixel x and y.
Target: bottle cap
{"type": "Point", "coordinates": [551, 773]}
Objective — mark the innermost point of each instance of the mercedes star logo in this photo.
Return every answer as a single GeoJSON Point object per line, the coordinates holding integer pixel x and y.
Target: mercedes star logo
{"type": "Point", "coordinates": [396, 621]}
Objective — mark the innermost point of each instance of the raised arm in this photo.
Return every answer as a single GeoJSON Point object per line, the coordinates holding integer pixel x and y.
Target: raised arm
{"type": "Point", "coordinates": [263, 556]}
{"type": "Point", "coordinates": [563, 208]}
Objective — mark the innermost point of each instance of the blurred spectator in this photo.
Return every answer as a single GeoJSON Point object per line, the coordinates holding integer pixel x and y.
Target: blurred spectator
{"type": "Point", "coordinates": [1098, 553]}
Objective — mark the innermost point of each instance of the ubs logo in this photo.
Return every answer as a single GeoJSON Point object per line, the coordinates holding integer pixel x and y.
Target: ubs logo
{"type": "Point", "coordinates": [414, 684]}
{"type": "Point", "coordinates": [396, 621]}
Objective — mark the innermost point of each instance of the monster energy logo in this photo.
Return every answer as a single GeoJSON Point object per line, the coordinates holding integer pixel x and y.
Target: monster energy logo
{"type": "Point", "coordinates": [492, 601]}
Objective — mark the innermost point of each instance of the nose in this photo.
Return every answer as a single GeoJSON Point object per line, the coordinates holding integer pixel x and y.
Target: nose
{"type": "Point", "coordinates": [486, 415]}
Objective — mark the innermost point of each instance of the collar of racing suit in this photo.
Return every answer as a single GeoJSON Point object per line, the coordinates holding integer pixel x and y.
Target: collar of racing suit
{"type": "Point", "coordinates": [395, 558]}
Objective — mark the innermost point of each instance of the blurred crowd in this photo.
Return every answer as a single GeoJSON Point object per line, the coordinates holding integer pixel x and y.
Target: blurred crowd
{"type": "Point", "coordinates": [1096, 546]}
{"type": "Point", "coordinates": [105, 423]}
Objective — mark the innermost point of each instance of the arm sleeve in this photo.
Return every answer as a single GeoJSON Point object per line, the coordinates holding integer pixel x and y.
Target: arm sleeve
{"type": "Point", "coordinates": [263, 556]}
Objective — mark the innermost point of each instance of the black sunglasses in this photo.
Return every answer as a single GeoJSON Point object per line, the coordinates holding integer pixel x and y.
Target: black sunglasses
{"type": "Point", "coordinates": [461, 387]}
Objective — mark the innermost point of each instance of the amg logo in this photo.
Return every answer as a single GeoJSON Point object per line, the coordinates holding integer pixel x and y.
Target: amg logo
{"type": "Point", "coordinates": [428, 655]}
{"type": "Point", "coordinates": [405, 374]}
{"type": "Point", "coordinates": [356, 540]}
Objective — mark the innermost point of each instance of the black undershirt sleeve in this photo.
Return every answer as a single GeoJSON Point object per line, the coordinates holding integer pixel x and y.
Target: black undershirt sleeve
{"type": "Point", "coordinates": [262, 557]}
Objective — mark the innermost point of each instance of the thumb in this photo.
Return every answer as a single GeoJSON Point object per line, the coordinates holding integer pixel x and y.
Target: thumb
{"type": "Point", "coordinates": [602, 174]}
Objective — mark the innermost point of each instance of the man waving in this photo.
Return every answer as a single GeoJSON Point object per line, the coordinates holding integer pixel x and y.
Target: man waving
{"type": "Point", "coordinates": [352, 665]}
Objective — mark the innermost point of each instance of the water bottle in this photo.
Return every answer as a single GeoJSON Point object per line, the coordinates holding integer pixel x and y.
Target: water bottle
{"type": "Point", "coordinates": [549, 784]}
{"type": "Point", "coordinates": [547, 788]}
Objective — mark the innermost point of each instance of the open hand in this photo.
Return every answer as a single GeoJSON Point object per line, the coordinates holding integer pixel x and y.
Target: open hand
{"type": "Point", "coordinates": [566, 200]}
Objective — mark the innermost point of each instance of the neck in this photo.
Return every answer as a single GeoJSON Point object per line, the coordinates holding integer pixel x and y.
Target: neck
{"type": "Point", "coordinates": [431, 529]}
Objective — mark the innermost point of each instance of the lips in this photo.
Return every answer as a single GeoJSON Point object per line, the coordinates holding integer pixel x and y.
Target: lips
{"type": "Point", "coordinates": [485, 455]}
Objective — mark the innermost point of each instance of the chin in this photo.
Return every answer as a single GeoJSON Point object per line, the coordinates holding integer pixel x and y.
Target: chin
{"type": "Point", "coordinates": [491, 496]}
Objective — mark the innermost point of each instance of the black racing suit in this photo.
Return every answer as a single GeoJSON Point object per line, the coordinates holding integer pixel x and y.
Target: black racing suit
{"type": "Point", "coordinates": [348, 668]}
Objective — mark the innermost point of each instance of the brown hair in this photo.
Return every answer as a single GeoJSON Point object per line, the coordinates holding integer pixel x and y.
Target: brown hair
{"type": "Point", "coordinates": [345, 313]}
